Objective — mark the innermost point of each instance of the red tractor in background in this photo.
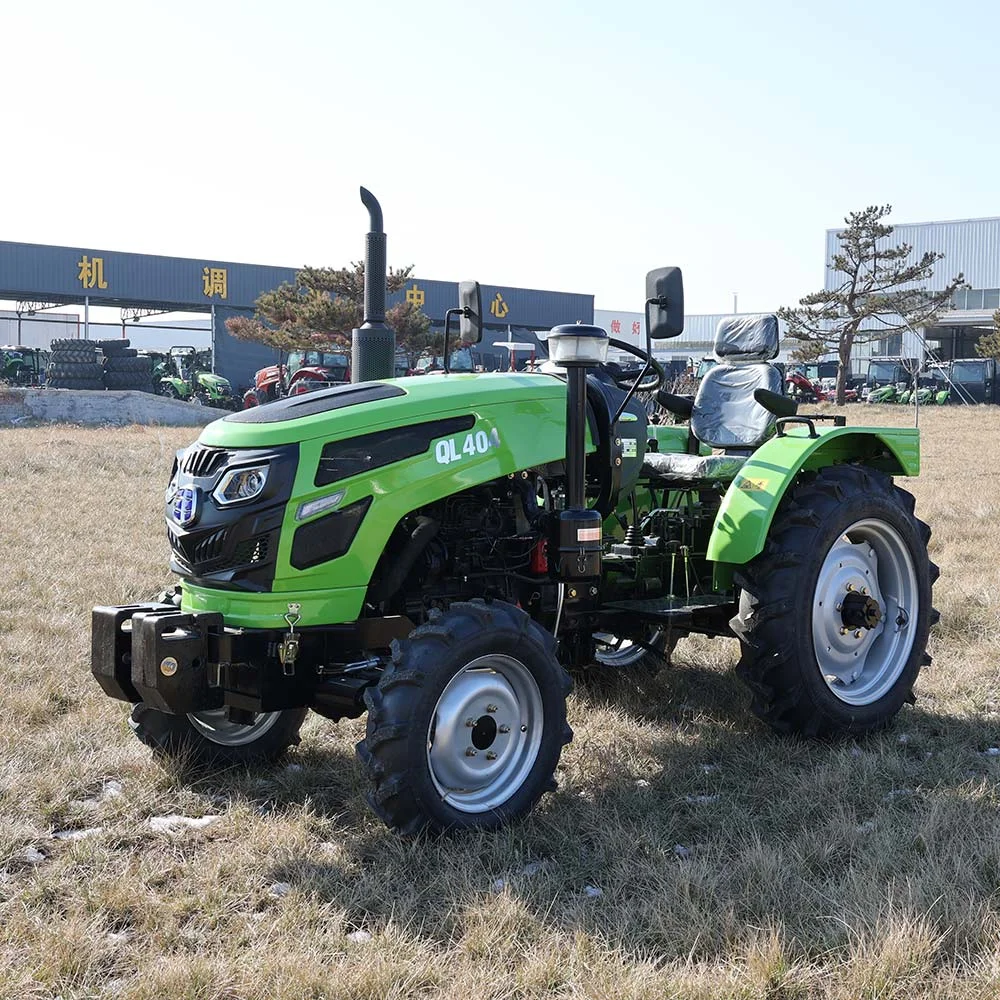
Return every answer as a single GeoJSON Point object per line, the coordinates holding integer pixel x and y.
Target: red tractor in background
{"type": "Point", "coordinates": [303, 371]}
{"type": "Point", "coordinates": [801, 388]}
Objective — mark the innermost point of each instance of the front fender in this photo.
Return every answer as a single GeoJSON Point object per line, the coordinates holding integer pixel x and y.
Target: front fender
{"type": "Point", "coordinates": [745, 516]}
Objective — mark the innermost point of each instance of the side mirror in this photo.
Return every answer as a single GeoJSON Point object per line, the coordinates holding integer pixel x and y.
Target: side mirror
{"type": "Point", "coordinates": [470, 322]}
{"type": "Point", "coordinates": [665, 308]}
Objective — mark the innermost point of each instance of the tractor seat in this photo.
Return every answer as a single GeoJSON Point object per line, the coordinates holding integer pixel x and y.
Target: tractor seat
{"type": "Point", "coordinates": [724, 414]}
{"type": "Point", "coordinates": [692, 469]}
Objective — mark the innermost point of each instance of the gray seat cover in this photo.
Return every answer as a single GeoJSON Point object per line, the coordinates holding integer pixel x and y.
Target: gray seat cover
{"type": "Point", "coordinates": [682, 468]}
{"type": "Point", "coordinates": [725, 414]}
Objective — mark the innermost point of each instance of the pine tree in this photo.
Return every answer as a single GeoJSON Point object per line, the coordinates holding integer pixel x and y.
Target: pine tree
{"type": "Point", "coordinates": [879, 292]}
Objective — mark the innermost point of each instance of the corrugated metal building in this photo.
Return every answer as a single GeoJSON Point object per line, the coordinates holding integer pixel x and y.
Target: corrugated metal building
{"type": "Point", "coordinates": [970, 246]}
{"type": "Point", "coordinates": [33, 273]}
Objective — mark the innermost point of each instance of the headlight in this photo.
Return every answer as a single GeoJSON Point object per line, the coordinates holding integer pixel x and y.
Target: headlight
{"type": "Point", "coordinates": [238, 485]}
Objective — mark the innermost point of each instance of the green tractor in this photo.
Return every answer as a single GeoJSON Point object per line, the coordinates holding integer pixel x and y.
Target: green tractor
{"type": "Point", "coordinates": [185, 373]}
{"type": "Point", "coordinates": [443, 553]}
{"type": "Point", "coordinates": [22, 365]}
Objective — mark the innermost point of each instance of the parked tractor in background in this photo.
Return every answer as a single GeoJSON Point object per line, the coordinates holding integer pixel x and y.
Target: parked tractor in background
{"type": "Point", "coordinates": [442, 553]}
{"type": "Point", "coordinates": [23, 365]}
{"type": "Point", "coordinates": [186, 374]}
{"type": "Point", "coordinates": [301, 371]}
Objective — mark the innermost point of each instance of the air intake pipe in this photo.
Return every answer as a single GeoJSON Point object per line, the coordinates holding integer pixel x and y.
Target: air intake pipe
{"type": "Point", "coordinates": [373, 345]}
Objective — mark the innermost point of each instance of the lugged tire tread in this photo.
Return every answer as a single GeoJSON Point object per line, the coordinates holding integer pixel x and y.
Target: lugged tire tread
{"type": "Point", "coordinates": [766, 643]}
{"type": "Point", "coordinates": [415, 663]}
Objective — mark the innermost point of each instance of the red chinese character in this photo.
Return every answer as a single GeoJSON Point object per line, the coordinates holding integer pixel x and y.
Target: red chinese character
{"type": "Point", "coordinates": [616, 326]}
{"type": "Point", "coordinates": [636, 328]}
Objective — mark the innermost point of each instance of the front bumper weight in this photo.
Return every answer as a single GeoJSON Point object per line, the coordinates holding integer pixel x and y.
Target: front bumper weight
{"type": "Point", "coordinates": [157, 654]}
{"type": "Point", "coordinates": [111, 648]}
{"type": "Point", "coordinates": [170, 660]}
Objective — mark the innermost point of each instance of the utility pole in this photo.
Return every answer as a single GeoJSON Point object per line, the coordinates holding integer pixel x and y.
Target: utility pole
{"type": "Point", "coordinates": [735, 310]}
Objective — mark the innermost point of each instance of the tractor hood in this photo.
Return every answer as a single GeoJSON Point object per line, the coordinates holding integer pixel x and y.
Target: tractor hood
{"type": "Point", "coordinates": [211, 381]}
{"type": "Point", "coordinates": [347, 411]}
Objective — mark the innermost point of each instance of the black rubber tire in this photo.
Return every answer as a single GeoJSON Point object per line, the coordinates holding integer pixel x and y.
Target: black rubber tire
{"type": "Point", "coordinates": [649, 661]}
{"type": "Point", "coordinates": [74, 371]}
{"type": "Point", "coordinates": [174, 735]}
{"type": "Point", "coordinates": [774, 623]}
{"type": "Point", "coordinates": [400, 710]}
{"type": "Point", "coordinates": [78, 357]}
{"type": "Point", "coordinates": [75, 383]}
{"type": "Point", "coordinates": [127, 380]}
{"type": "Point", "coordinates": [118, 347]}
{"type": "Point", "coordinates": [120, 363]}
{"type": "Point", "coordinates": [71, 344]}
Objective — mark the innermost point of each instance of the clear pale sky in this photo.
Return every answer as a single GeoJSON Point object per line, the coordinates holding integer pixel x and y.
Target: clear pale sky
{"type": "Point", "coordinates": [560, 145]}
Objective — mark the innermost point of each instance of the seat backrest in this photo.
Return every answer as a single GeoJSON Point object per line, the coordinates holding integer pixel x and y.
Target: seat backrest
{"type": "Point", "coordinates": [725, 414]}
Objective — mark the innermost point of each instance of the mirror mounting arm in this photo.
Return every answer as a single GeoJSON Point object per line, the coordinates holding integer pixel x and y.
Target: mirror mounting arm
{"type": "Point", "coordinates": [463, 311]}
{"type": "Point", "coordinates": [649, 357]}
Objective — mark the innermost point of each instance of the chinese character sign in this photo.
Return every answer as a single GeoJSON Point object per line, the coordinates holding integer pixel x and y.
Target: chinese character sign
{"type": "Point", "coordinates": [415, 296]}
{"type": "Point", "coordinates": [636, 327]}
{"type": "Point", "coordinates": [616, 326]}
{"type": "Point", "coordinates": [498, 307]}
{"type": "Point", "coordinates": [91, 272]}
{"type": "Point", "coordinates": [215, 281]}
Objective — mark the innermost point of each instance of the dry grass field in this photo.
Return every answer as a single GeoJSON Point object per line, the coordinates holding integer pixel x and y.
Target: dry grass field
{"type": "Point", "coordinates": [688, 853]}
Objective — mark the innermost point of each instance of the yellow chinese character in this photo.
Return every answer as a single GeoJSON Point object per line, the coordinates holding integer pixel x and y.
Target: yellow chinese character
{"type": "Point", "coordinates": [215, 281]}
{"type": "Point", "coordinates": [91, 274]}
{"type": "Point", "coordinates": [498, 307]}
{"type": "Point", "coordinates": [415, 296]}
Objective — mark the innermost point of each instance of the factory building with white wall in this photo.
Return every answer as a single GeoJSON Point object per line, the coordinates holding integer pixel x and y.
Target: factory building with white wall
{"type": "Point", "coordinates": [970, 247]}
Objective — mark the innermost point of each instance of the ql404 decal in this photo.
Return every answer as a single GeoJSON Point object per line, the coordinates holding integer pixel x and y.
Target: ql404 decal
{"type": "Point", "coordinates": [454, 449]}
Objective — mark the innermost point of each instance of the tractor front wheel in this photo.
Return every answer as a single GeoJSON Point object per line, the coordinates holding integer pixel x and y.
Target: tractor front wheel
{"type": "Point", "coordinates": [834, 613]}
{"type": "Point", "coordinates": [466, 724]}
{"type": "Point", "coordinates": [210, 739]}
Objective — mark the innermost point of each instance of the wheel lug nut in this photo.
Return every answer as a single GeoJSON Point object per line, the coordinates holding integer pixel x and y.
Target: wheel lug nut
{"type": "Point", "coordinates": [471, 752]}
{"type": "Point", "coordinates": [491, 756]}
{"type": "Point", "coordinates": [503, 729]}
{"type": "Point", "coordinates": [840, 607]}
{"type": "Point", "coordinates": [864, 590]}
{"type": "Point", "coordinates": [858, 634]}
{"type": "Point", "coordinates": [491, 708]}
{"type": "Point", "coordinates": [471, 723]}
{"type": "Point", "coordinates": [524, 729]}
{"type": "Point", "coordinates": [843, 631]}
{"type": "Point", "coordinates": [850, 586]}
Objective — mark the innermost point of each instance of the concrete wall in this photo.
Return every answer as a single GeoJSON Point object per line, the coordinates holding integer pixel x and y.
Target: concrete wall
{"type": "Point", "coordinates": [97, 407]}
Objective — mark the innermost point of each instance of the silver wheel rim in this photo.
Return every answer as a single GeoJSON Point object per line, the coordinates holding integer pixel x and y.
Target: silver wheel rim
{"type": "Point", "coordinates": [216, 727]}
{"type": "Point", "coordinates": [613, 651]}
{"type": "Point", "coordinates": [868, 567]}
{"type": "Point", "coordinates": [485, 733]}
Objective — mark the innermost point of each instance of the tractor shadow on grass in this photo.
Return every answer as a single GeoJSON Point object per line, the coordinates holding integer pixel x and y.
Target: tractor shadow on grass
{"type": "Point", "coordinates": [680, 824]}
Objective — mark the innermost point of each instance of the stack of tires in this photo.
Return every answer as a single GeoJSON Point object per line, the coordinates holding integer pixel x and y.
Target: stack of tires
{"type": "Point", "coordinates": [75, 364]}
{"type": "Point", "coordinates": [123, 368]}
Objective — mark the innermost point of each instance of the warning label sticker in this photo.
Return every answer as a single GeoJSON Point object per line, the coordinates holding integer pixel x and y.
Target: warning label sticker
{"type": "Point", "coordinates": [588, 534]}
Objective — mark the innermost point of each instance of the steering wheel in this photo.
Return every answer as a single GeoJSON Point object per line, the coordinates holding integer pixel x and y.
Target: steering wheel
{"type": "Point", "coordinates": [651, 383]}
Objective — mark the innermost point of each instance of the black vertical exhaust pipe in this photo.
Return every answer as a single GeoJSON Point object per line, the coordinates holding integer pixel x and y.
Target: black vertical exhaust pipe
{"type": "Point", "coordinates": [575, 548]}
{"type": "Point", "coordinates": [373, 345]}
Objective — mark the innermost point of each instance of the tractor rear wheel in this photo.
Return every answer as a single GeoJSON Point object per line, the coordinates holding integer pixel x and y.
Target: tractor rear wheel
{"type": "Point", "coordinates": [834, 613]}
{"type": "Point", "coordinates": [467, 723]}
{"type": "Point", "coordinates": [650, 655]}
{"type": "Point", "coordinates": [209, 739]}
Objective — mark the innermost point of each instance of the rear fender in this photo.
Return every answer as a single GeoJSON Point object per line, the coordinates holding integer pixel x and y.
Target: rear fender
{"type": "Point", "coordinates": [749, 506]}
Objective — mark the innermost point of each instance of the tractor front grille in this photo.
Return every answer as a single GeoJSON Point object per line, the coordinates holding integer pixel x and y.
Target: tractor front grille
{"type": "Point", "coordinates": [205, 554]}
{"type": "Point", "coordinates": [201, 461]}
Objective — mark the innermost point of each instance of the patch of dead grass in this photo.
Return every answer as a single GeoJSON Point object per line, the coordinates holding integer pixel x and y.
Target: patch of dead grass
{"type": "Point", "coordinates": [730, 862]}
